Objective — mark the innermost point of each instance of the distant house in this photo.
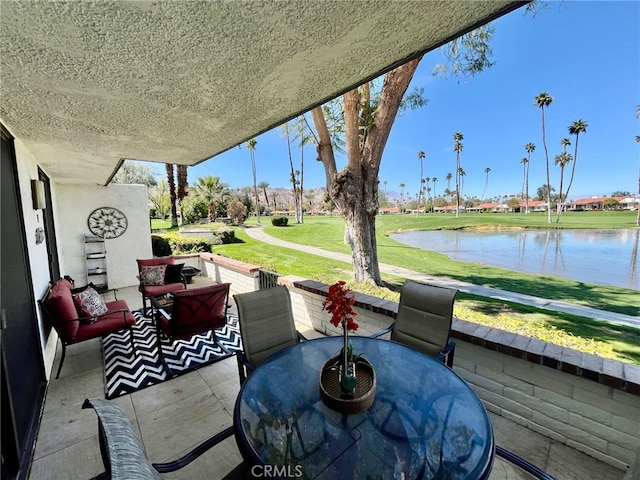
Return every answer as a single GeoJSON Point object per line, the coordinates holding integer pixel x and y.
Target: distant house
{"type": "Point", "coordinates": [484, 207]}
{"type": "Point", "coordinates": [448, 209]}
{"type": "Point", "coordinates": [593, 203]}
{"type": "Point", "coordinates": [534, 206]}
{"type": "Point", "coordinates": [630, 203]}
{"type": "Point", "coordinates": [388, 210]}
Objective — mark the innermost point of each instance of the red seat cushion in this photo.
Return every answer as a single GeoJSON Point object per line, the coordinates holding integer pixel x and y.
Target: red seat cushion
{"type": "Point", "coordinates": [108, 323]}
{"type": "Point", "coordinates": [156, 290]}
{"type": "Point", "coordinates": [60, 305]}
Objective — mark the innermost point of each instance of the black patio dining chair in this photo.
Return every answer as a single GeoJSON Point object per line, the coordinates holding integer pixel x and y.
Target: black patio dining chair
{"type": "Point", "coordinates": [123, 454]}
{"type": "Point", "coordinates": [266, 325]}
{"type": "Point", "coordinates": [423, 322]}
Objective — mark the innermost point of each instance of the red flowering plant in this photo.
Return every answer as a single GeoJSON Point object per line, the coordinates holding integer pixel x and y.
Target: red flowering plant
{"type": "Point", "coordinates": [340, 305]}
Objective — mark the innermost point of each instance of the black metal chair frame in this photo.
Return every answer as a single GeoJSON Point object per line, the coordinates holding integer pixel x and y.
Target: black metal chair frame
{"type": "Point", "coordinates": [161, 312]}
{"type": "Point", "coordinates": [520, 462]}
{"type": "Point", "coordinates": [172, 466]}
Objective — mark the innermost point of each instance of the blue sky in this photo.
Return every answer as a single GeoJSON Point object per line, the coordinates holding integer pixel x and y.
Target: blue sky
{"type": "Point", "coordinates": [584, 54]}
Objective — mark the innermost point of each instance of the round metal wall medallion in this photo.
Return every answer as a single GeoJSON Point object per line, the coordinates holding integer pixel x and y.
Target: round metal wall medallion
{"type": "Point", "coordinates": [107, 222]}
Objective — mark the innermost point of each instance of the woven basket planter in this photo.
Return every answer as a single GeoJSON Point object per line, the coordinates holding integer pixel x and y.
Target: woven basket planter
{"type": "Point", "coordinates": [332, 394]}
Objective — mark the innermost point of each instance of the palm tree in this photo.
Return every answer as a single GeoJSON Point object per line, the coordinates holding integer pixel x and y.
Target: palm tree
{"type": "Point", "coordinates": [525, 164]}
{"type": "Point", "coordinates": [563, 160]}
{"type": "Point", "coordinates": [301, 133]}
{"type": "Point", "coordinates": [434, 180]}
{"type": "Point", "coordinates": [421, 191]}
{"type": "Point", "coordinates": [286, 128]}
{"type": "Point", "coordinates": [424, 188]}
{"type": "Point", "coordinates": [172, 193]}
{"type": "Point", "coordinates": [264, 186]}
{"type": "Point", "coordinates": [182, 186]}
{"type": "Point", "coordinates": [421, 156]}
{"type": "Point", "coordinates": [486, 170]}
{"type": "Point", "coordinates": [544, 100]}
{"type": "Point", "coordinates": [576, 128]}
{"type": "Point", "coordinates": [529, 147]}
{"type": "Point", "coordinates": [447, 192]}
{"type": "Point", "coordinates": [275, 203]}
{"type": "Point", "coordinates": [402, 194]}
{"type": "Point", "coordinates": [457, 147]}
{"type": "Point", "coordinates": [251, 145]}
{"type": "Point", "coordinates": [462, 174]}
{"type": "Point", "coordinates": [212, 191]}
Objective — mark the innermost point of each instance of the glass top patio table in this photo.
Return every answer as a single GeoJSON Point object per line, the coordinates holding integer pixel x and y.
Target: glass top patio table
{"type": "Point", "coordinates": [425, 422]}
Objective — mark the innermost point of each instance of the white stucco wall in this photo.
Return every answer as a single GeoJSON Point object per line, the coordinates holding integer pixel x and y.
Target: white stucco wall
{"type": "Point", "coordinates": [75, 204]}
{"type": "Point", "coordinates": [37, 253]}
{"type": "Point", "coordinates": [72, 205]}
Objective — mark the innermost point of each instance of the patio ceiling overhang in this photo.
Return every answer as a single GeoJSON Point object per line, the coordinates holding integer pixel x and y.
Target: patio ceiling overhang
{"type": "Point", "coordinates": [85, 85]}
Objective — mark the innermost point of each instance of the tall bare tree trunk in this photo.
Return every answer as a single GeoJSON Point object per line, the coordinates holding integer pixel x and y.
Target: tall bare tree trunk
{"type": "Point", "coordinates": [293, 176]}
{"type": "Point", "coordinates": [301, 181]}
{"type": "Point", "coordinates": [354, 190]}
{"type": "Point", "coordinates": [182, 187]}
{"type": "Point", "coordinates": [546, 154]}
{"type": "Point", "coordinates": [172, 194]}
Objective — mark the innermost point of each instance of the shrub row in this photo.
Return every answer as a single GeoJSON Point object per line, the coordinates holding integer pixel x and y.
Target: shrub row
{"type": "Point", "coordinates": [173, 244]}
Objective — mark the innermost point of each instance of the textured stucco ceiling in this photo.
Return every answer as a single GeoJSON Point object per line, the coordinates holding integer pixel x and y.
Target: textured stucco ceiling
{"type": "Point", "coordinates": [86, 84]}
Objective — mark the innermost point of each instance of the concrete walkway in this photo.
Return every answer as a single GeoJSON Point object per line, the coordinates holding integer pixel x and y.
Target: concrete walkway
{"type": "Point", "coordinates": [257, 233]}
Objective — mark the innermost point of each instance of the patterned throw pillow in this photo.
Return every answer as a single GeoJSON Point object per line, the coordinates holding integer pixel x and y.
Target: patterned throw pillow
{"type": "Point", "coordinates": [89, 303]}
{"type": "Point", "coordinates": [152, 275]}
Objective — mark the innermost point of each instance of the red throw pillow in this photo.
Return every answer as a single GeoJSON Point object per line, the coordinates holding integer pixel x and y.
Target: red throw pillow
{"type": "Point", "coordinates": [152, 275]}
{"type": "Point", "coordinates": [89, 303]}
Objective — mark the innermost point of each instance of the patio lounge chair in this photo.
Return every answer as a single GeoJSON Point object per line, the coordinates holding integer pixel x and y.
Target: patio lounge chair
{"type": "Point", "coordinates": [194, 311]}
{"type": "Point", "coordinates": [124, 457]}
{"type": "Point", "coordinates": [424, 318]}
{"type": "Point", "coordinates": [159, 276]}
{"type": "Point", "coordinates": [266, 326]}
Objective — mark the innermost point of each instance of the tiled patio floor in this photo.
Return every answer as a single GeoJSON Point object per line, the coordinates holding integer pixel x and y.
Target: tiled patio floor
{"type": "Point", "coordinates": [173, 417]}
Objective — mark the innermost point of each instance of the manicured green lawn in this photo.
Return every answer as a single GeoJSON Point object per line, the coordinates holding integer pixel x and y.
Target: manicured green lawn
{"type": "Point", "coordinates": [583, 334]}
{"type": "Point", "coordinates": [327, 233]}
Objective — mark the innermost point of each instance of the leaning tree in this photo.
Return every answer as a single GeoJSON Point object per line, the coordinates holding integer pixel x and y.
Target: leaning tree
{"type": "Point", "coordinates": [364, 123]}
{"type": "Point", "coordinates": [354, 189]}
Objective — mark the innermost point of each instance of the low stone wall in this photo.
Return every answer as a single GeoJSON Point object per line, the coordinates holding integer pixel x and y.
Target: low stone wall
{"type": "Point", "coordinates": [586, 402]}
{"type": "Point", "coordinates": [243, 277]}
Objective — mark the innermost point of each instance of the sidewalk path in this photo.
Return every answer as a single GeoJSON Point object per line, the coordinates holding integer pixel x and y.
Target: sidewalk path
{"type": "Point", "coordinates": [257, 233]}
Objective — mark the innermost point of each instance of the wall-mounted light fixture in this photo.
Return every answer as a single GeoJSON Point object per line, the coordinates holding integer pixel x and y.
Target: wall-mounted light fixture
{"type": "Point", "coordinates": [37, 194]}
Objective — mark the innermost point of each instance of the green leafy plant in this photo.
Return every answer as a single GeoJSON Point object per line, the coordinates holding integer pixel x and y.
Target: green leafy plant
{"type": "Point", "coordinates": [279, 221]}
{"type": "Point", "coordinates": [160, 246]}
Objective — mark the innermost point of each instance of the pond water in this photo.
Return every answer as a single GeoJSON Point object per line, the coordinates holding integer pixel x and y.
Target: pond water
{"type": "Point", "coordinates": [608, 257]}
